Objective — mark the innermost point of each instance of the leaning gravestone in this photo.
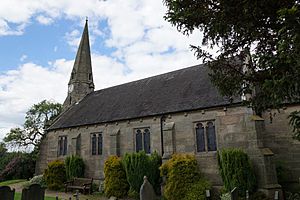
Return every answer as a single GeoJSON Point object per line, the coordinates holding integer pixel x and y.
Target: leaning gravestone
{"type": "Point", "coordinates": [147, 191]}
{"type": "Point", "coordinates": [6, 193]}
{"type": "Point", "coordinates": [34, 192]}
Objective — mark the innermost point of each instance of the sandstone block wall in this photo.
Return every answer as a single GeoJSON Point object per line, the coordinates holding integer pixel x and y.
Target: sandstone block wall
{"type": "Point", "coordinates": [235, 127]}
{"type": "Point", "coordinates": [278, 137]}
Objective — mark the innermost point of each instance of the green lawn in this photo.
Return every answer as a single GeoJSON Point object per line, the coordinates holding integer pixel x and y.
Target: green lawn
{"type": "Point", "coordinates": [18, 197]}
{"type": "Point", "coordinates": [10, 182]}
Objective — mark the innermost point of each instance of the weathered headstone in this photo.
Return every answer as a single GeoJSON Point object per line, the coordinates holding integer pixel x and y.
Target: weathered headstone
{"type": "Point", "coordinates": [147, 191]}
{"type": "Point", "coordinates": [234, 194]}
{"type": "Point", "coordinates": [34, 192]}
{"type": "Point", "coordinates": [6, 193]}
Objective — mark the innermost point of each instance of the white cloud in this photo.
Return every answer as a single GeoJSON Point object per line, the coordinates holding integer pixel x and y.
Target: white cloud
{"type": "Point", "coordinates": [44, 20]}
{"type": "Point", "coordinates": [73, 38]}
{"type": "Point", "coordinates": [144, 44]}
{"type": "Point", "coordinates": [23, 57]}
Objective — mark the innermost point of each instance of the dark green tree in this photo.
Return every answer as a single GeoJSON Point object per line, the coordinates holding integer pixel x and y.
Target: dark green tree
{"type": "Point", "coordinates": [3, 149]}
{"type": "Point", "coordinates": [37, 119]}
{"type": "Point", "coordinates": [263, 35]}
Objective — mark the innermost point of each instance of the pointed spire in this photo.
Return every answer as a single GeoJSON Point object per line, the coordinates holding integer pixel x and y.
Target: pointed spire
{"type": "Point", "coordinates": [83, 62]}
{"type": "Point", "coordinates": [81, 80]}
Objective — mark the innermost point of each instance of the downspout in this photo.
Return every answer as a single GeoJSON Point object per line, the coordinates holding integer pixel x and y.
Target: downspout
{"type": "Point", "coordinates": [162, 120]}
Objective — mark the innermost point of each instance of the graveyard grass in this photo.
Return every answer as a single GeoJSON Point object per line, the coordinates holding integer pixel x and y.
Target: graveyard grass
{"type": "Point", "coordinates": [11, 182]}
{"type": "Point", "coordinates": [94, 196]}
{"type": "Point", "coordinates": [18, 197]}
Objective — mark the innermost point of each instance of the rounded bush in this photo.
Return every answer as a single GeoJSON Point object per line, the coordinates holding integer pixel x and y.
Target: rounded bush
{"type": "Point", "coordinates": [55, 175]}
{"type": "Point", "coordinates": [183, 178]}
{"type": "Point", "coordinates": [197, 190]}
{"type": "Point", "coordinates": [115, 182]}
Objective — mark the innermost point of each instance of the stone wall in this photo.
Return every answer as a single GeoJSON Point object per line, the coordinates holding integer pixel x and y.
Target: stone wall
{"type": "Point", "coordinates": [235, 127]}
{"type": "Point", "coordinates": [278, 137]}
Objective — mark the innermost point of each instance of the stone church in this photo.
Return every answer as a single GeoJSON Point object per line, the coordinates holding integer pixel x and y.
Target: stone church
{"type": "Point", "coordinates": [175, 112]}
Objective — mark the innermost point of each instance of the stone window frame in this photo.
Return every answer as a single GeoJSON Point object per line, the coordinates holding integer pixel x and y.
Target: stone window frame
{"type": "Point", "coordinates": [143, 144]}
{"type": "Point", "coordinates": [62, 147]}
{"type": "Point", "coordinates": [204, 123]}
{"type": "Point", "coordinates": [98, 151]}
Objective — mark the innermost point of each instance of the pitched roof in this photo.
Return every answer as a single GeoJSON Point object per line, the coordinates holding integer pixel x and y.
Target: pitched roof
{"type": "Point", "coordinates": [181, 90]}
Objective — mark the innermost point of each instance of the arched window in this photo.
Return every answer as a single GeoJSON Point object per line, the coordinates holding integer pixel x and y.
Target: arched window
{"type": "Point", "coordinates": [211, 137]}
{"type": "Point", "coordinates": [142, 140]}
{"type": "Point", "coordinates": [147, 140]}
{"type": "Point", "coordinates": [96, 143]}
{"type": "Point", "coordinates": [138, 140]}
{"type": "Point", "coordinates": [100, 143]}
{"type": "Point", "coordinates": [200, 142]}
{"type": "Point", "coordinates": [205, 137]}
{"type": "Point", "coordinates": [94, 139]}
{"type": "Point", "coordinates": [62, 145]}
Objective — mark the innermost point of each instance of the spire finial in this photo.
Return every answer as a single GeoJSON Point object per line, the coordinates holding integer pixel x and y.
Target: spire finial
{"type": "Point", "coordinates": [86, 18]}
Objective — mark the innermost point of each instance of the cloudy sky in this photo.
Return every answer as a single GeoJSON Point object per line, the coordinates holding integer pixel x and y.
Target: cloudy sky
{"type": "Point", "coordinates": [129, 40]}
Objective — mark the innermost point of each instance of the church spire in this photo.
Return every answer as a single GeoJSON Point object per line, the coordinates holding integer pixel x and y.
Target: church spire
{"type": "Point", "coordinates": [81, 81]}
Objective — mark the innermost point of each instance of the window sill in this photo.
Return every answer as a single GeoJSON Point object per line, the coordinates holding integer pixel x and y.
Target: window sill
{"type": "Point", "coordinates": [206, 154]}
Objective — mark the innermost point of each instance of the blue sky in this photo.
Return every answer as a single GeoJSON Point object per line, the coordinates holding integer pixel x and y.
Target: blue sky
{"type": "Point", "coordinates": [38, 41]}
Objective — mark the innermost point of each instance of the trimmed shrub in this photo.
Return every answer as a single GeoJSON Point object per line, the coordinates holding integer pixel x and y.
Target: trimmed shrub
{"type": "Point", "coordinates": [115, 182]}
{"type": "Point", "coordinates": [197, 190]}
{"type": "Point", "coordinates": [138, 165]}
{"type": "Point", "coordinates": [184, 180]}
{"type": "Point", "coordinates": [74, 167]}
{"type": "Point", "coordinates": [55, 175]}
{"type": "Point", "coordinates": [236, 170]}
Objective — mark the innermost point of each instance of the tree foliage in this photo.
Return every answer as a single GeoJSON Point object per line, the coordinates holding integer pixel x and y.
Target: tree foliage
{"type": "Point", "coordinates": [264, 35]}
{"type": "Point", "coordinates": [37, 118]}
{"type": "Point", "coordinates": [17, 166]}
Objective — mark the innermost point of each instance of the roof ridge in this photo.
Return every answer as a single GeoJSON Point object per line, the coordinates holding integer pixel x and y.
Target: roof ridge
{"type": "Point", "coordinates": [143, 79]}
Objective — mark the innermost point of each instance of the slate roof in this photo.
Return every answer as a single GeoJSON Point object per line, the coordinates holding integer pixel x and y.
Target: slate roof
{"type": "Point", "coordinates": [182, 90]}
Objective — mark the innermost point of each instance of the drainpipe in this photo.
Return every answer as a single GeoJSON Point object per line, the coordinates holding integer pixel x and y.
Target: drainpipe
{"type": "Point", "coordinates": [162, 120]}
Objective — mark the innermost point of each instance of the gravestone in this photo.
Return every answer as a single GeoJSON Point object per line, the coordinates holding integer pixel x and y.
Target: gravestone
{"type": "Point", "coordinates": [34, 192]}
{"type": "Point", "coordinates": [147, 191]}
{"type": "Point", "coordinates": [6, 193]}
{"type": "Point", "coordinates": [234, 194]}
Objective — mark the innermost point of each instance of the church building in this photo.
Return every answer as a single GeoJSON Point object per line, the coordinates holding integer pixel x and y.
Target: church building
{"type": "Point", "coordinates": [176, 112]}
